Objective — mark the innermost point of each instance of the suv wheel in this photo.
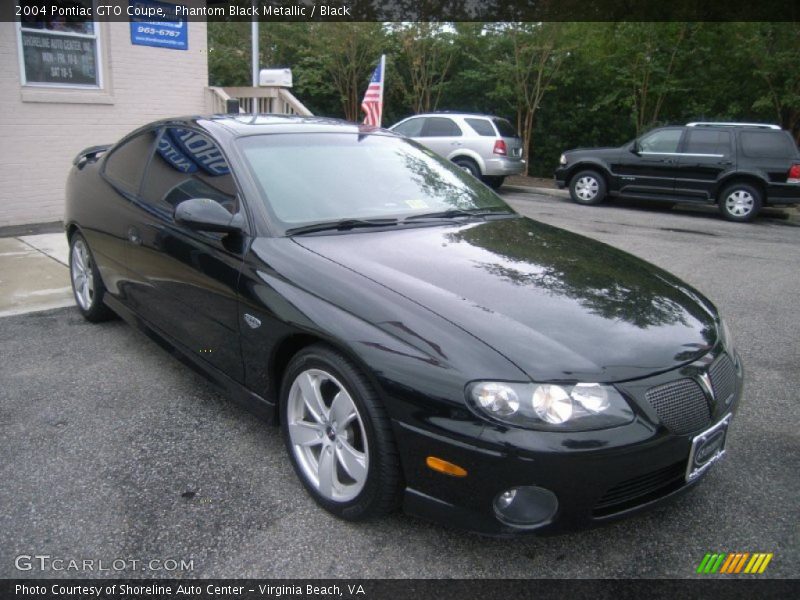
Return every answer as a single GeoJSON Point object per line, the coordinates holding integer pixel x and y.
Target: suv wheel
{"type": "Point", "coordinates": [468, 165]}
{"type": "Point", "coordinates": [740, 202]}
{"type": "Point", "coordinates": [587, 187]}
{"type": "Point", "coordinates": [494, 181]}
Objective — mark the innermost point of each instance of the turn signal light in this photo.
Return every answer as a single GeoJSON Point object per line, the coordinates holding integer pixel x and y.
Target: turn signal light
{"type": "Point", "coordinates": [442, 466]}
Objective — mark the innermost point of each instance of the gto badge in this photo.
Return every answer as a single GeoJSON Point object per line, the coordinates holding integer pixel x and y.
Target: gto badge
{"type": "Point", "coordinates": [252, 321]}
{"type": "Point", "coordinates": [705, 380]}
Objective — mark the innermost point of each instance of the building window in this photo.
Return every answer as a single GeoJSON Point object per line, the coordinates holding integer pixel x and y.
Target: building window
{"type": "Point", "coordinates": [58, 51]}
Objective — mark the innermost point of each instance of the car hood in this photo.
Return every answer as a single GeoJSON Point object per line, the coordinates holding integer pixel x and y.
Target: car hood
{"type": "Point", "coordinates": [558, 305]}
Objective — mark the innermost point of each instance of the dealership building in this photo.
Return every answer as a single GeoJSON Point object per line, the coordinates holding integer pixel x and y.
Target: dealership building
{"type": "Point", "coordinates": [69, 85]}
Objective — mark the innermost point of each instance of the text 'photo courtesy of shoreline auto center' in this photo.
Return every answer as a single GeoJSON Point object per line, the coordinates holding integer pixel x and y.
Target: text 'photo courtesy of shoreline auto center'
{"type": "Point", "coordinates": [295, 294]}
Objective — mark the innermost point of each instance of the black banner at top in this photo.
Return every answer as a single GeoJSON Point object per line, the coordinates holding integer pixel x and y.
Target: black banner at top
{"type": "Point", "coordinates": [404, 10]}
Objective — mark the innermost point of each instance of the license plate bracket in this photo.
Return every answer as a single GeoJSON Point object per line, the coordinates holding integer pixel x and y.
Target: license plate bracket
{"type": "Point", "coordinates": [707, 448]}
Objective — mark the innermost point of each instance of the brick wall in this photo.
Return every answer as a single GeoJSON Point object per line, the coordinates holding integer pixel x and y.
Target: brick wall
{"type": "Point", "coordinates": [41, 131]}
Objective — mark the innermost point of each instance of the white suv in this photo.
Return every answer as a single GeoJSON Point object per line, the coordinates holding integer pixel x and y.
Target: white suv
{"type": "Point", "coordinates": [486, 146]}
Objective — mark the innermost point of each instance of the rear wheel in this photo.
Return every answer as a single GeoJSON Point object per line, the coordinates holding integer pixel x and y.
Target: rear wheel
{"type": "Point", "coordinates": [338, 435]}
{"type": "Point", "coordinates": [494, 181]}
{"type": "Point", "coordinates": [740, 202]}
{"type": "Point", "coordinates": [468, 165]}
{"type": "Point", "coordinates": [87, 287]}
{"type": "Point", "coordinates": [587, 187]}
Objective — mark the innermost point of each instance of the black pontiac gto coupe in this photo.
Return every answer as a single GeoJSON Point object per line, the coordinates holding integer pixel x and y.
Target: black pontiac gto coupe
{"type": "Point", "coordinates": [420, 343]}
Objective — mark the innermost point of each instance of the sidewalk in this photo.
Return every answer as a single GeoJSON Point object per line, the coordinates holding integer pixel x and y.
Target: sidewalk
{"type": "Point", "coordinates": [34, 274]}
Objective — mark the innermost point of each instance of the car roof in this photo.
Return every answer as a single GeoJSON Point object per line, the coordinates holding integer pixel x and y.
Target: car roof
{"type": "Point", "coordinates": [249, 124]}
{"type": "Point", "coordinates": [450, 113]}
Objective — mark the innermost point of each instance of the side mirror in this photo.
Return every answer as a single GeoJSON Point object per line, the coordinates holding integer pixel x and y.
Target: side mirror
{"type": "Point", "coordinates": [636, 148]}
{"type": "Point", "coordinates": [205, 214]}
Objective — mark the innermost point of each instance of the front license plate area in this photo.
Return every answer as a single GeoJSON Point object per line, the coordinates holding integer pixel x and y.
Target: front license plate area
{"type": "Point", "coordinates": [707, 448]}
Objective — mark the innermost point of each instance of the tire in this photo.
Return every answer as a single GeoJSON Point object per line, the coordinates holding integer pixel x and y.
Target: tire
{"type": "Point", "coordinates": [740, 202]}
{"type": "Point", "coordinates": [494, 181]}
{"type": "Point", "coordinates": [468, 165]}
{"type": "Point", "coordinates": [587, 187]}
{"type": "Point", "coordinates": [360, 476]}
{"type": "Point", "coordinates": [87, 286]}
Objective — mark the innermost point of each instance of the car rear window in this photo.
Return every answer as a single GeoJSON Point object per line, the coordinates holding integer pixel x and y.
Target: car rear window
{"type": "Point", "coordinates": [505, 128]}
{"type": "Point", "coordinates": [410, 128]}
{"type": "Point", "coordinates": [482, 127]}
{"type": "Point", "coordinates": [767, 144]}
{"type": "Point", "coordinates": [702, 141]}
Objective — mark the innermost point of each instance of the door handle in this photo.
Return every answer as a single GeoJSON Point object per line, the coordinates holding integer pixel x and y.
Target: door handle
{"type": "Point", "coordinates": [134, 237]}
{"type": "Point", "coordinates": [456, 144]}
{"type": "Point", "coordinates": [725, 163]}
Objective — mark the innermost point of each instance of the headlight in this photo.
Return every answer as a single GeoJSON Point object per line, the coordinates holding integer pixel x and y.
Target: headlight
{"type": "Point", "coordinates": [548, 406]}
{"type": "Point", "coordinates": [563, 159]}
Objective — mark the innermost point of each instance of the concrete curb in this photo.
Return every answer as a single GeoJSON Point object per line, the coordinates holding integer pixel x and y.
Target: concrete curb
{"type": "Point", "coordinates": [537, 190]}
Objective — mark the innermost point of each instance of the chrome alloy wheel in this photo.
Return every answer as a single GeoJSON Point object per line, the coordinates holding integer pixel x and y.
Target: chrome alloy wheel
{"type": "Point", "coordinates": [82, 275]}
{"type": "Point", "coordinates": [586, 188]}
{"type": "Point", "coordinates": [740, 203]}
{"type": "Point", "coordinates": [327, 435]}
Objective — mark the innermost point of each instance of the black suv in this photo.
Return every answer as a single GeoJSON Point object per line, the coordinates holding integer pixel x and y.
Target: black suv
{"type": "Point", "coordinates": [739, 166]}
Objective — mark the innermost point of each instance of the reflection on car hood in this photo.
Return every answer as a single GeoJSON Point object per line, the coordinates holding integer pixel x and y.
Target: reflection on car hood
{"type": "Point", "coordinates": [558, 305]}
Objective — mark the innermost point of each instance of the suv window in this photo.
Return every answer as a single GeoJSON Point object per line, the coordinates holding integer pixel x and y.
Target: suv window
{"type": "Point", "coordinates": [767, 144]}
{"type": "Point", "coordinates": [410, 128]}
{"type": "Point", "coordinates": [703, 141]}
{"type": "Point", "coordinates": [482, 127]}
{"type": "Point", "coordinates": [440, 127]}
{"type": "Point", "coordinates": [125, 165]}
{"type": "Point", "coordinates": [505, 128]}
{"type": "Point", "coordinates": [663, 140]}
{"type": "Point", "coordinates": [188, 164]}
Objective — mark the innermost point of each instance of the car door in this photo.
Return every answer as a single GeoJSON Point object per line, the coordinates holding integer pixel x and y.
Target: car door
{"type": "Point", "coordinates": [649, 167]}
{"type": "Point", "coordinates": [186, 280]}
{"type": "Point", "coordinates": [706, 155]}
{"type": "Point", "coordinates": [442, 135]}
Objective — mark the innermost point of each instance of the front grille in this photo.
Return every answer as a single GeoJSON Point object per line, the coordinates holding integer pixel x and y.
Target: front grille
{"type": "Point", "coordinates": [723, 378]}
{"type": "Point", "coordinates": [640, 490]}
{"type": "Point", "coordinates": [681, 405]}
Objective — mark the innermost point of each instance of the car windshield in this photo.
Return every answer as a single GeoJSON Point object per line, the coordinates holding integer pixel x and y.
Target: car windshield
{"type": "Point", "coordinates": [326, 177]}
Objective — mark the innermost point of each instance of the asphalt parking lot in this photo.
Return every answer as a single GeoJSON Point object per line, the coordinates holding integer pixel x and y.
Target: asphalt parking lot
{"type": "Point", "coordinates": [114, 450]}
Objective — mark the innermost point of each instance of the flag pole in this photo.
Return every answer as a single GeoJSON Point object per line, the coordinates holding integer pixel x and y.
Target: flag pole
{"type": "Point", "coordinates": [383, 85]}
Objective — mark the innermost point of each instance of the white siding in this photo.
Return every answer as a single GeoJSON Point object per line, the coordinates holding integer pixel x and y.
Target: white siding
{"type": "Point", "coordinates": [39, 139]}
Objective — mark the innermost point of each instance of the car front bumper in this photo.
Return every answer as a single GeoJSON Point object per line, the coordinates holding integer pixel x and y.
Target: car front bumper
{"type": "Point", "coordinates": [561, 177]}
{"type": "Point", "coordinates": [596, 476]}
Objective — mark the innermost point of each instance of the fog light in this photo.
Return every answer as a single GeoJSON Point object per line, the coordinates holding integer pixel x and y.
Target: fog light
{"type": "Point", "coordinates": [526, 506]}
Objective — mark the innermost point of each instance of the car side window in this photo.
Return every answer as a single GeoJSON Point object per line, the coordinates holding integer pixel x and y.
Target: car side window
{"type": "Point", "coordinates": [767, 144]}
{"type": "Point", "coordinates": [440, 127]}
{"type": "Point", "coordinates": [703, 141]}
{"type": "Point", "coordinates": [661, 141]}
{"type": "Point", "coordinates": [483, 127]}
{"type": "Point", "coordinates": [125, 166]}
{"type": "Point", "coordinates": [410, 128]}
{"type": "Point", "coordinates": [188, 164]}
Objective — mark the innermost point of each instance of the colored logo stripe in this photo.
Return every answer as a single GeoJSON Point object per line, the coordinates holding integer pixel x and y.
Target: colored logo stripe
{"type": "Point", "coordinates": [734, 562]}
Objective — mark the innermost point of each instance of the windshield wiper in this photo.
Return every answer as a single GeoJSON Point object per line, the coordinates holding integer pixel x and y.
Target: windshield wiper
{"type": "Point", "coordinates": [340, 225]}
{"type": "Point", "coordinates": [452, 213]}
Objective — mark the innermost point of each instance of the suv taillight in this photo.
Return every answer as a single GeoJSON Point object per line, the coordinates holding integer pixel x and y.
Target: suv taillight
{"type": "Point", "coordinates": [500, 147]}
{"type": "Point", "coordinates": [794, 174]}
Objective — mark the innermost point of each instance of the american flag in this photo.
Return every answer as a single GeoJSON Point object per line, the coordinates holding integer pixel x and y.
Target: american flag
{"type": "Point", "coordinates": [372, 104]}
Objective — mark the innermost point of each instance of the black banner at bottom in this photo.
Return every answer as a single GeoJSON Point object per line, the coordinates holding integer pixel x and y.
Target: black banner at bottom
{"type": "Point", "coordinates": [370, 589]}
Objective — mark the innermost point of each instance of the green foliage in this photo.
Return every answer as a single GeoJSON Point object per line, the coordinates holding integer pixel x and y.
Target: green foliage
{"type": "Point", "coordinates": [567, 84]}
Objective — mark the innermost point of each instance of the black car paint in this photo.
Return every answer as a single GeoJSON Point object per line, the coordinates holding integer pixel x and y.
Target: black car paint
{"type": "Point", "coordinates": [482, 303]}
{"type": "Point", "coordinates": [679, 176]}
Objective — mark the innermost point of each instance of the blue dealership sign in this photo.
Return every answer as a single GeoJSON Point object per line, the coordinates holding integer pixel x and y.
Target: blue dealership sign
{"type": "Point", "coordinates": [171, 32]}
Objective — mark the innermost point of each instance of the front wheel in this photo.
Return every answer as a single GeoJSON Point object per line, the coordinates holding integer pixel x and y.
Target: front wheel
{"type": "Point", "coordinates": [587, 187]}
{"type": "Point", "coordinates": [740, 202]}
{"type": "Point", "coordinates": [87, 286]}
{"type": "Point", "coordinates": [338, 435]}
